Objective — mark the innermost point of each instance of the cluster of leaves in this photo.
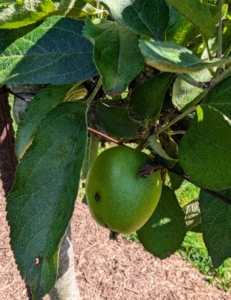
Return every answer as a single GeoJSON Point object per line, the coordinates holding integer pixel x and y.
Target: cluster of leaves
{"type": "Point", "coordinates": [171, 59]}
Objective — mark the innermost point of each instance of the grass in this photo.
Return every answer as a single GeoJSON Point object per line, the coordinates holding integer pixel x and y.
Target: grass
{"type": "Point", "coordinates": [193, 248]}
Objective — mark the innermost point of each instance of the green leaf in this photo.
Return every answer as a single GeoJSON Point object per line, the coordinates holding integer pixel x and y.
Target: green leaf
{"type": "Point", "coordinates": [179, 28]}
{"type": "Point", "coordinates": [77, 9]}
{"type": "Point", "coordinates": [198, 14]}
{"type": "Point", "coordinates": [147, 17]}
{"type": "Point", "coordinates": [164, 232]}
{"type": "Point", "coordinates": [184, 93]}
{"type": "Point", "coordinates": [116, 54]}
{"type": "Point", "coordinates": [116, 120]}
{"type": "Point", "coordinates": [175, 181]}
{"type": "Point", "coordinates": [171, 57]}
{"type": "Point", "coordinates": [147, 98]}
{"type": "Point", "coordinates": [43, 102]}
{"type": "Point", "coordinates": [204, 151]}
{"type": "Point", "coordinates": [41, 54]}
{"type": "Point", "coordinates": [219, 97]}
{"type": "Point", "coordinates": [41, 201]}
{"type": "Point", "coordinates": [29, 12]}
{"type": "Point", "coordinates": [164, 158]}
{"type": "Point", "coordinates": [216, 225]}
{"type": "Point", "coordinates": [192, 215]}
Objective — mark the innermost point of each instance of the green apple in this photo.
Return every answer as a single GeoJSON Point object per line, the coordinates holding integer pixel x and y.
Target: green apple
{"type": "Point", "coordinates": [118, 198]}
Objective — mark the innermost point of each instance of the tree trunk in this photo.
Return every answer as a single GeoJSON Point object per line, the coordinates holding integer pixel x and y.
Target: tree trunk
{"type": "Point", "coordinates": [65, 287]}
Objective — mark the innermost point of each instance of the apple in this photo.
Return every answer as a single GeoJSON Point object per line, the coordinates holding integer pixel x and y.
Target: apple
{"type": "Point", "coordinates": [118, 197]}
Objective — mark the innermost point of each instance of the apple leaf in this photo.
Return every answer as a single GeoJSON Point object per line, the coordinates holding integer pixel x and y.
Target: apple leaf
{"type": "Point", "coordinates": [179, 28]}
{"type": "Point", "coordinates": [171, 57]}
{"type": "Point", "coordinates": [198, 14]}
{"type": "Point", "coordinates": [219, 97]}
{"type": "Point", "coordinates": [192, 215]}
{"type": "Point", "coordinates": [147, 98]}
{"type": "Point", "coordinates": [24, 13]}
{"type": "Point", "coordinates": [43, 102]}
{"type": "Point", "coordinates": [162, 157]}
{"type": "Point", "coordinates": [184, 93]}
{"type": "Point", "coordinates": [204, 151]}
{"type": "Point", "coordinates": [175, 181]}
{"type": "Point", "coordinates": [145, 17]}
{"type": "Point", "coordinates": [116, 120]}
{"type": "Point", "coordinates": [164, 232]}
{"type": "Point", "coordinates": [76, 9]}
{"type": "Point", "coordinates": [116, 54]}
{"type": "Point", "coordinates": [216, 225]}
{"type": "Point", "coordinates": [41, 201]}
{"type": "Point", "coordinates": [40, 53]}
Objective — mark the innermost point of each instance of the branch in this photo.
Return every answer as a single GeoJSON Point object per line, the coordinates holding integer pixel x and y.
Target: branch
{"type": "Point", "coordinates": [212, 193]}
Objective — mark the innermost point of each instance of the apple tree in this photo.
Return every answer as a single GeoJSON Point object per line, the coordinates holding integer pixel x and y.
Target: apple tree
{"type": "Point", "coordinates": [151, 74]}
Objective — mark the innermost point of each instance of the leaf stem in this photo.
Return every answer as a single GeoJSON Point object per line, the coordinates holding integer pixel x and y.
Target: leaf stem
{"type": "Point", "coordinates": [207, 47]}
{"type": "Point", "coordinates": [184, 114]}
{"type": "Point", "coordinates": [218, 79]}
{"type": "Point", "coordinates": [219, 51]}
{"type": "Point", "coordinates": [191, 81]}
{"type": "Point", "coordinates": [96, 89]}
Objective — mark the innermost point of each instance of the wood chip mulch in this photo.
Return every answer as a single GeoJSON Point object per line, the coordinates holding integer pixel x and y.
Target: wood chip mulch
{"type": "Point", "coordinates": [110, 270]}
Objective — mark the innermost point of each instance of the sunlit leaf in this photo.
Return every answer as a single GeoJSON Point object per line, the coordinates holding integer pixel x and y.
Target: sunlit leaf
{"type": "Point", "coordinates": [204, 151]}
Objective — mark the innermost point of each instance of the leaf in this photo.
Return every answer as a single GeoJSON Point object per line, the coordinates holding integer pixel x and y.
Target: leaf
{"type": "Point", "coordinates": [76, 9]}
{"type": "Point", "coordinates": [43, 102]}
{"type": "Point", "coordinates": [179, 28]}
{"type": "Point", "coordinates": [204, 151]}
{"type": "Point", "coordinates": [192, 215]}
{"type": "Point", "coordinates": [198, 14]}
{"type": "Point", "coordinates": [116, 120]}
{"type": "Point", "coordinates": [171, 57]}
{"type": "Point", "coordinates": [219, 97]}
{"type": "Point", "coordinates": [184, 93]}
{"type": "Point", "coordinates": [116, 54]}
{"type": "Point", "coordinates": [164, 232]}
{"type": "Point", "coordinates": [216, 216]}
{"type": "Point", "coordinates": [175, 181]}
{"type": "Point", "coordinates": [155, 144]}
{"type": "Point", "coordinates": [147, 98]}
{"type": "Point", "coordinates": [41, 201]}
{"type": "Point", "coordinates": [41, 54]}
{"type": "Point", "coordinates": [25, 13]}
{"type": "Point", "coordinates": [78, 91]}
{"type": "Point", "coordinates": [145, 17]}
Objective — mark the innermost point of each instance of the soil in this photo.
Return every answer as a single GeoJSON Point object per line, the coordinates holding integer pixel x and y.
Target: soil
{"type": "Point", "coordinates": [111, 270]}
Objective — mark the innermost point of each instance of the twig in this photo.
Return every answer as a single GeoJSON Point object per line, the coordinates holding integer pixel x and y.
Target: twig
{"type": "Point", "coordinates": [184, 114]}
{"type": "Point", "coordinates": [212, 193]}
{"type": "Point", "coordinates": [103, 135]}
{"type": "Point", "coordinates": [18, 96]}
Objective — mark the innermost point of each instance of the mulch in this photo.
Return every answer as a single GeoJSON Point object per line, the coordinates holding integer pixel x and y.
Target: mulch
{"type": "Point", "coordinates": [111, 270]}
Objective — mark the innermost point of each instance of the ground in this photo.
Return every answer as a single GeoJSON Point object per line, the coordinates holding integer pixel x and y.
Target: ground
{"type": "Point", "coordinates": [110, 270]}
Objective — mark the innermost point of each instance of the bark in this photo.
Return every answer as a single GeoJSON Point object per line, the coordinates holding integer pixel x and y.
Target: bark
{"type": "Point", "coordinates": [66, 287]}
